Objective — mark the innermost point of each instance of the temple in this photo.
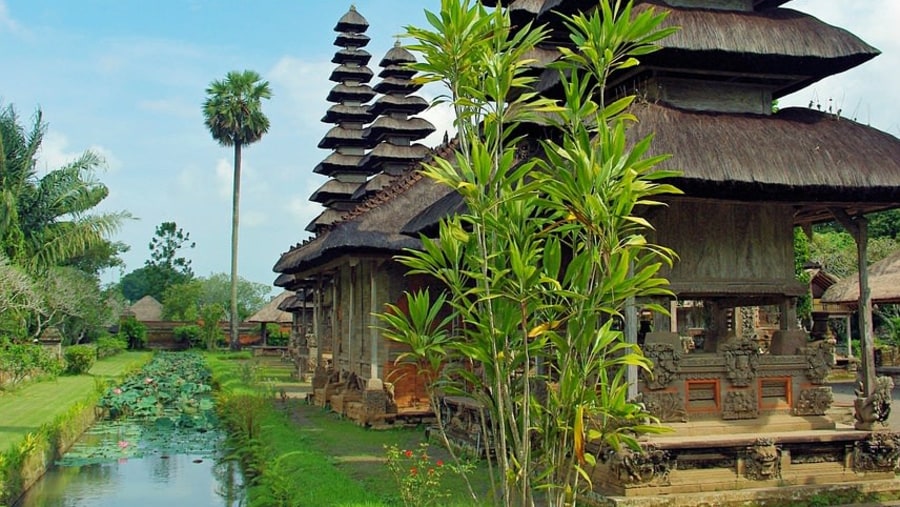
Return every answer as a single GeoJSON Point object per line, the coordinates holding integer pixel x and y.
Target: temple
{"type": "Point", "coordinates": [735, 375]}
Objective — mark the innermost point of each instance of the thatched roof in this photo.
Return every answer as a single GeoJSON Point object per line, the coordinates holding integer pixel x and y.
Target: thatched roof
{"type": "Point", "coordinates": [799, 155]}
{"type": "Point", "coordinates": [344, 55]}
{"type": "Point", "coordinates": [803, 156]}
{"type": "Point", "coordinates": [351, 40]}
{"type": "Point", "coordinates": [341, 136]}
{"type": "Point", "coordinates": [358, 73]}
{"type": "Point", "coordinates": [786, 49]}
{"type": "Point", "coordinates": [884, 284]}
{"type": "Point", "coordinates": [271, 312]}
{"type": "Point", "coordinates": [342, 92]}
{"type": "Point", "coordinates": [411, 104]}
{"type": "Point", "coordinates": [373, 227]}
{"type": "Point", "coordinates": [352, 22]}
{"type": "Point", "coordinates": [341, 112]}
{"type": "Point", "coordinates": [338, 162]}
{"type": "Point", "coordinates": [392, 84]}
{"type": "Point", "coordinates": [146, 309]}
{"type": "Point", "coordinates": [333, 190]}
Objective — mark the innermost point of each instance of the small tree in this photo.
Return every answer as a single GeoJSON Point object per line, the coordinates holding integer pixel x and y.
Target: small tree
{"type": "Point", "coordinates": [134, 332]}
{"type": "Point", "coordinates": [210, 316]}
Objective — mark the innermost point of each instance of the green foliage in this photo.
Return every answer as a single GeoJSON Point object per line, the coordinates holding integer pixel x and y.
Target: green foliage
{"type": "Point", "coordinates": [108, 346]}
{"type": "Point", "coordinates": [540, 317]}
{"type": "Point", "coordinates": [276, 336]}
{"type": "Point", "coordinates": [133, 332]}
{"type": "Point", "coordinates": [20, 362]}
{"type": "Point", "coordinates": [80, 358]}
{"type": "Point", "coordinates": [190, 335]}
{"type": "Point", "coordinates": [836, 252]}
{"type": "Point", "coordinates": [172, 390]}
{"type": "Point", "coordinates": [182, 301]}
{"type": "Point", "coordinates": [49, 220]}
{"type": "Point", "coordinates": [210, 332]}
{"type": "Point", "coordinates": [165, 244]}
{"type": "Point", "coordinates": [419, 479]}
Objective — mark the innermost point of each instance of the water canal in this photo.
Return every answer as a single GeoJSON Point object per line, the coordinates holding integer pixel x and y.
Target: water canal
{"type": "Point", "coordinates": [161, 446]}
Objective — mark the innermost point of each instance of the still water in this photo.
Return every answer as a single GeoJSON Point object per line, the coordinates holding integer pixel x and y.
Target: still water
{"type": "Point", "coordinates": [141, 467]}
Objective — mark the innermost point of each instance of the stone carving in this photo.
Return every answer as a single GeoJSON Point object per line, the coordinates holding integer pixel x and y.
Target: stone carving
{"type": "Point", "coordinates": [814, 401]}
{"type": "Point", "coordinates": [652, 466]}
{"type": "Point", "coordinates": [878, 453]}
{"type": "Point", "coordinates": [665, 364]}
{"type": "Point", "coordinates": [667, 406]}
{"type": "Point", "coordinates": [763, 460]}
{"type": "Point", "coordinates": [740, 405]}
{"type": "Point", "coordinates": [741, 361]}
{"type": "Point", "coordinates": [748, 320]}
{"type": "Point", "coordinates": [875, 407]}
{"type": "Point", "coordinates": [819, 359]}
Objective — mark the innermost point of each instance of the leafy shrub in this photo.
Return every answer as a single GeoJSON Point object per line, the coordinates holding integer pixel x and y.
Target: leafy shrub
{"type": "Point", "coordinates": [134, 332]}
{"type": "Point", "coordinates": [190, 335]}
{"type": "Point", "coordinates": [210, 331]}
{"type": "Point", "coordinates": [110, 345]}
{"type": "Point", "coordinates": [80, 358]}
{"type": "Point", "coordinates": [275, 336]}
{"type": "Point", "coordinates": [22, 361]}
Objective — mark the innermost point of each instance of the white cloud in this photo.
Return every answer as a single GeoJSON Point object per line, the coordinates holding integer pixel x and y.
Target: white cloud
{"type": "Point", "coordinates": [304, 84]}
{"type": "Point", "coordinates": [224, 173]}
{"type": "Point", "coordinates": [55, 153]}
{"type": "Point", "coordinates": [8, 23]}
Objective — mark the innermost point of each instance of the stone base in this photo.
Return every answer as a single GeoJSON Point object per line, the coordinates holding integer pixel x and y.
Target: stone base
{"type": "Point", "coordinates": [717, 462]}
{"type": "Point", "coordinates": [775, 495]}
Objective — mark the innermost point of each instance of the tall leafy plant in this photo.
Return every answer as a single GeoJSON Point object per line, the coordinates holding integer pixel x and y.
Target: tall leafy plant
{"type": "Point", "coordinates": [537, 271]}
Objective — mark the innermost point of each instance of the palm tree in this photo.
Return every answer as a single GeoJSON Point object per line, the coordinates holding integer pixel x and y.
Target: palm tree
{"type": "Point", "coordinates": [47, 221]}
{"type": "Point", "coordinates": [233, 113]}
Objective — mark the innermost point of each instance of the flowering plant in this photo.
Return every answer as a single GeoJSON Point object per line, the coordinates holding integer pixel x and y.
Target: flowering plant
{"type": "Point", "coordinates": [417, 476]}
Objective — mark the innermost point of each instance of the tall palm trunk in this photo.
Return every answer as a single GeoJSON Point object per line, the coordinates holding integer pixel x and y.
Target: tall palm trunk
{"type": "Point", "coordinates": [235, 215]}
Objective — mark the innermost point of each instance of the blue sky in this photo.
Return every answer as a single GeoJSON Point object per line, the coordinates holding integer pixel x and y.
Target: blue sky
{"type": "Point", "coordinates": [127, 78]}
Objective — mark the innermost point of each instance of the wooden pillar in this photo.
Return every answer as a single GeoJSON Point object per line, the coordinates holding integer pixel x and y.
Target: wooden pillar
{"type": "Point", "coordinates": [858, 228]}
{"type": "Point", "coordinates": [373, 320]}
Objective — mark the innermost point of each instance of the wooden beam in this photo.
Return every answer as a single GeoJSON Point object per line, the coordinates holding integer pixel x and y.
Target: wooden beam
{"type": "Point", "coordinates": [858, 228]}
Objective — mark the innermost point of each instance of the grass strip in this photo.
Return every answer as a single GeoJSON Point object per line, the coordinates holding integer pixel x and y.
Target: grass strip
{"type": "Point", "coordinates": [315, 458]}
{"type": "Point", "coordinates": [27, 408]}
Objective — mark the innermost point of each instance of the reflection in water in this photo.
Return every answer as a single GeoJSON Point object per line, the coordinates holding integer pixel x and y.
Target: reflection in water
{"type": "Point", "coordinates": [158, 476]}
{"type": "Point", "coordinates": [137, 483]}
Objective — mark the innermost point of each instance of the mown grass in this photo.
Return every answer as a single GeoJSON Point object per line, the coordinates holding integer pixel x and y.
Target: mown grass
{"type": "Point", "coordinates": [324, 460]}
{"type": "Point", "coordinates": [27, 408]}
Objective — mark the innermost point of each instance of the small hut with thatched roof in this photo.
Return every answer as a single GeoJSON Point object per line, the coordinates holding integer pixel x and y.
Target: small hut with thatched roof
{"type": "Point", "coordinates": [271, 313]}
{"type": "Point", "coordinates": [884, 284]}
{"type": "Point", "coordinates": [146, 309]}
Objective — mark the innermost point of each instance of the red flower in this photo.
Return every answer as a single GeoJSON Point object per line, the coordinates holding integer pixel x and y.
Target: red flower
{"type": "Point", "coordinates": [408, 453]}
{"type": "Point", "coordinates": [413, 471]}
{"type": "Point", "coordinates": [440, 463]}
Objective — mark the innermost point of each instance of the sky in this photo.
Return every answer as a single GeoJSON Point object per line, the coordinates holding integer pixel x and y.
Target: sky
{"type": "Point", "coordinates": [126, 79]}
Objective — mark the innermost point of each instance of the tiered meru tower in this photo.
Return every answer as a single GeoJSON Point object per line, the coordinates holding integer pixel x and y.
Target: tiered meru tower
{"type": "Point", "coordinates": [349, 114]}
{"type": "Point", "coordinates": [355, 174]}
{"type": "Point", "coordinates": [393, 134]}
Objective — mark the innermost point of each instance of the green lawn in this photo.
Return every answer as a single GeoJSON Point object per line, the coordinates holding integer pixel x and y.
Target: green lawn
{"type": "Point", "coordinates": [24, 410]}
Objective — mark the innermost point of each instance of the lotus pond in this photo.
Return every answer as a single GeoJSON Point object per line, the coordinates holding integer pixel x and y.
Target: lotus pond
{"type": "Point", "coordinates": [158, 445]}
